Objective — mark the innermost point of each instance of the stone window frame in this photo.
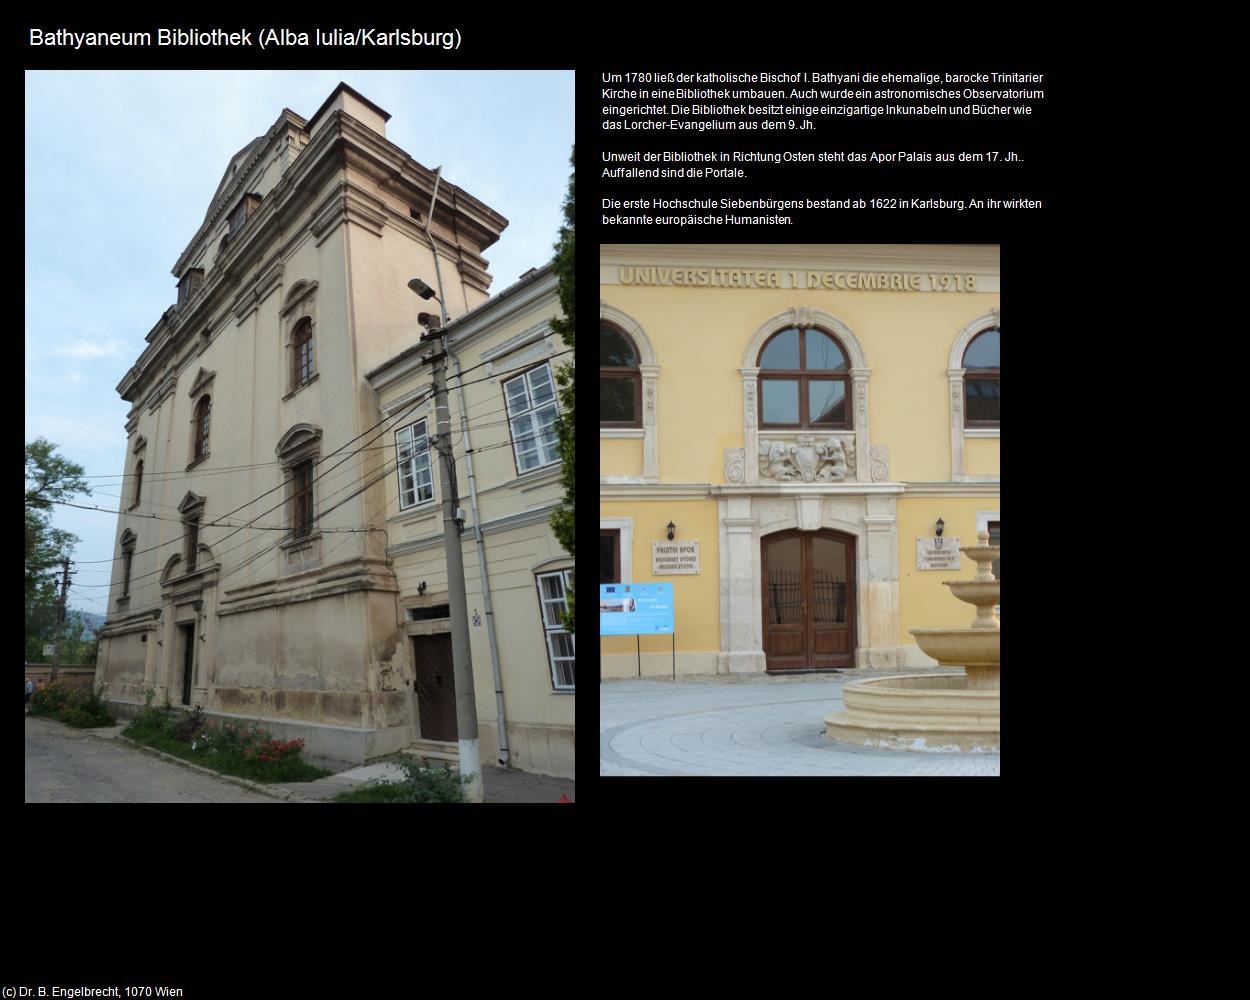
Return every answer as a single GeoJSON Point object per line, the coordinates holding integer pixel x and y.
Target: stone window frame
{"type": "Point", "coordinates": [625, 526]}
{"type": "Point", "coordinates": [139, 451]}
{"type": "Point", "coordinates": [955, 373]}
{"type": "Point", "coordinates": [649, 370]}
{"type": "Point", "coordinates": [859, 372]}
{"type": "Point", "coordinates": [299, 446]}
{"type": "Point", "coordinates": [301, 306]}
{"type": "Point", "coordinates": [128, 541]}
{"type": "Point", "coordinates": [620, 374]}
{"type": "Point", "coordinates": [200, 445]}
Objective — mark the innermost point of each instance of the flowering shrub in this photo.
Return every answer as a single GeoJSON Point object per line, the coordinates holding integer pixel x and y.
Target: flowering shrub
{"type": "Point", "coordinates": [275, 751]}
{"type": "Point", "coordinates": [82, 709]}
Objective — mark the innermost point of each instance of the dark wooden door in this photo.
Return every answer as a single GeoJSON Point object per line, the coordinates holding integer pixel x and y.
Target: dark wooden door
{"type": "Point", "coordinates": [809, 600]}
{"type": "Point", "coordinates": [188, 656]}
{"type": "Point", "coordinates": [436, 687]}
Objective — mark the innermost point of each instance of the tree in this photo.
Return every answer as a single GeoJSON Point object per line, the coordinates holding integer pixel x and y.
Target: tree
{"type": "Point", "coordinates": [563, 267]}
{"type": "Point", "coordinates": [49, 478]}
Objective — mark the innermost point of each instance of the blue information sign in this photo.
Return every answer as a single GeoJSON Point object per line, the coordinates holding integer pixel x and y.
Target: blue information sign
{"type": "Point", "coordinates": [635, 608]}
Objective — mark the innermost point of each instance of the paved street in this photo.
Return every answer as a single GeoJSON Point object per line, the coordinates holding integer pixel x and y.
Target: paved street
{"type": "Point", "coordinates": [73, 765]}
{"type": "Point", "coordinates": [747, 726]}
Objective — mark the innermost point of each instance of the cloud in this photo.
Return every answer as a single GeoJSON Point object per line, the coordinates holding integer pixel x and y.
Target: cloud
{"type": "Point", "coordinates": [92, 349]}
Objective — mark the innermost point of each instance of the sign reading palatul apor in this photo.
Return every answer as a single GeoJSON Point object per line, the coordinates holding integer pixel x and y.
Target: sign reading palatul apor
{"type": "Point", "coordinates": [741, 277]}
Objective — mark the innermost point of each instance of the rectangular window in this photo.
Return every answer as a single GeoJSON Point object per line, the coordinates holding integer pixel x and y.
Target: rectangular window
{"type": "Point", "coordinates": [561, 652]}
{"type": "Point", "coordinates": [532, 413]}
{"type": "Point", "coordinates": [609, 556]}
{"type": "Point", "coordinates": [416, 481]}
{"type": "Point", "coordinates": [193, 544]}
{"type": "Point", "coordinates": [130, 558]}
{"type": "Point", "coordinates": [301, 500]}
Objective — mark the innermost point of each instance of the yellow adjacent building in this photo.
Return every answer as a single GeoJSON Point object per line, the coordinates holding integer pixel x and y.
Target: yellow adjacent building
{"type": "Point", "coordinates": [798, 438]}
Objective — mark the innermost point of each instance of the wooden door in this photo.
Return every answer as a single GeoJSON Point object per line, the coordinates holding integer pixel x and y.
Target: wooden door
{"type": "Point", "coordinates": [436, 687]}
{"type": "Point", "coordinates": [809, 600]}
{"type": "Point", "coordinates": [188, 646]}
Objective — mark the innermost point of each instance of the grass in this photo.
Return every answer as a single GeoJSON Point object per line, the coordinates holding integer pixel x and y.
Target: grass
{"type": "Point", "coordinates": [227, 749]}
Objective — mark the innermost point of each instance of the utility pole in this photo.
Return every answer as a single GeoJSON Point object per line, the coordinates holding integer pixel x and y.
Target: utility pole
{"type": "Point", "coordinates": [461, 659]}
{"type": "Point", "coordinates": [60, 612]}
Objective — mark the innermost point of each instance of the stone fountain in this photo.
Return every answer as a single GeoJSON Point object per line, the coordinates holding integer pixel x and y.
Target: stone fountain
{"type": "Point", "coordinates": [936, 711]}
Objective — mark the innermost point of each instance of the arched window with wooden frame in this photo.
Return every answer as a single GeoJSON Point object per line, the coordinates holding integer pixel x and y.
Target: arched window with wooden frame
{"type": "Point", "coordinates": [620, 381]}
{"type": "Point", "coordinates": [981, 371]}
{"type": "Point", "coordinates": [301, 353]}
{"type": "Point", "coordinates": [202, 411]}
{"type": "Point", "coordinates": [804, 381]}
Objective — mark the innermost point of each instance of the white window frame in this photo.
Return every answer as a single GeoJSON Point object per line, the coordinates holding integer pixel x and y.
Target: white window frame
{"type": "Point", "coordinates": [411, 463]}
{"type": "Point", "coordinates": [566, 580]}
{"type": "Point", "coordinates": [527, 419]}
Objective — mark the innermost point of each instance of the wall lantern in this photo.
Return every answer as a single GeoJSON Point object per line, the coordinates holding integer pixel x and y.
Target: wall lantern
{"type": "Point", "coordinates": [672, 528]}
{"type": "Point", "coordinates": [940, 525]}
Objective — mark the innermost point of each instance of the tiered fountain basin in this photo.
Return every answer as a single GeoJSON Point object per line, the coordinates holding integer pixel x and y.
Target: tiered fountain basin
{"type": "Point", "coordinates": [934, 712]}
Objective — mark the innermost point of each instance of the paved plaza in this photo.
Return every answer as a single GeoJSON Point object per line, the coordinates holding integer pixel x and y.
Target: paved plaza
{"type": "Point", "coordinates": [758, 725]}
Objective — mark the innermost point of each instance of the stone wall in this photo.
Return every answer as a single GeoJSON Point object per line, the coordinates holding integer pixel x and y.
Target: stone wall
{"type": "Point", "coordinates": [82, 678]}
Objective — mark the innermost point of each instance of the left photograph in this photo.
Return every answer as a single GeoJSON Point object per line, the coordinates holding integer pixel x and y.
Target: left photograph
{"type": "Point", "coordinates": [299, 516]}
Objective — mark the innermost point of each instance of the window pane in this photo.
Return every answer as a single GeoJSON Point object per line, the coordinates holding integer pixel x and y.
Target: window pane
{"type": "Point", "coordinates": [553, 587]}
{"type": "Point", "coordinates": [983, 351]}
{"type": "Point", "coordinates": [615, 351]}
{"type": "Point", "coordinates": [826, 402]}
{"type": "Point", "coordinates": [823, 353]}
{"type": "Point", "coordinates": [982, 398]}
{"type": "Point", "coordinates": [782, 351]}
{"type": "Point", "coordinates": [616, 400]}
{"type": "Point", "coordinates": [541, 389]}
{"type": "Point", "coordinates": [518, 402]}
{"type": "Point", "coordinates": [781, 401]}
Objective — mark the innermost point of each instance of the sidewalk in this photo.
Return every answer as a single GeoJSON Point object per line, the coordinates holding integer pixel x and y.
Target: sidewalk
{"type": "Point", "coordinates": [498, 784]}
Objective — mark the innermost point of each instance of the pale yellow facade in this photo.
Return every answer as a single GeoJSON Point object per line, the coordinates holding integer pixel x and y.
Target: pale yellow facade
{"type": "Point", "coordinates": [701, 456]}
{"type": "Point", "coordinates": [509, 338]}
{"type": "Point", "coordinates": [240, 585]}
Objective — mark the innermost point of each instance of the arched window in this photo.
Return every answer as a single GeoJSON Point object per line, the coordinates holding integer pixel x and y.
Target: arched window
{"type": "Point", "coordinates": [301, 353]}
{"type": "Point", "coordinates": [202, 409]}
{"type": "Point", "coordinates": [138, 481]}
{"type": "Point", "coordinates": [620, 382]}
{"type": "Point", "coordinates": [804, 381]}
{"type": "Point", "coordinates": [980, 363]}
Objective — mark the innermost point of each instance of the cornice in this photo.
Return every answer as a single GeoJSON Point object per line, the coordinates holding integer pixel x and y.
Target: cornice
{"type": "Point", "coordinates": [982, 258]}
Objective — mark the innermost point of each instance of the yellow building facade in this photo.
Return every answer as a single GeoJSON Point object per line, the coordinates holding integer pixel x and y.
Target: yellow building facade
{"type": "Point", "coordinates": [782, 428]}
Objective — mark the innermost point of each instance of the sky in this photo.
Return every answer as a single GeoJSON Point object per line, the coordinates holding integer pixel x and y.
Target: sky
{"type": "Point", "coordinates": [120, 170]}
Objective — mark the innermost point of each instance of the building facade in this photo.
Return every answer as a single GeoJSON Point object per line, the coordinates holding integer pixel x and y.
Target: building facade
{"type": "Point", "coordinates": [517, 576]}
{"type": "Point", "coordinates": [815, 427]}
{"type": "Point", "coordinates": [252, 573]}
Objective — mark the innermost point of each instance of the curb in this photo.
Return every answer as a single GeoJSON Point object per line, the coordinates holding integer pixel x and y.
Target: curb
{"type": "Point", "coordinates": [271, 791]}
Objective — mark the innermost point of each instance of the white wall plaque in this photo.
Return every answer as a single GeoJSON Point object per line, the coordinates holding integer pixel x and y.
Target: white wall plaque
{"type": "Point", "coordinates": [937, 553]}
{"type": "Point", "coordinates": [674, 558]}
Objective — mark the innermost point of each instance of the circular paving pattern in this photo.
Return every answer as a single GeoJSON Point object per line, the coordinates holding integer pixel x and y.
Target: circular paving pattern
{"type": "Point", "coordinates": [765, 726]}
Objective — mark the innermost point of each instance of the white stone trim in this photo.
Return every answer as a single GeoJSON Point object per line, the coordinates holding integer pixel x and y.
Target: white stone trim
{"type": "Point", "coordinates": [955, 393]}
{"type": "Point", "coordinates": [617, 433]}
{"type": "Point", "coordinates": [625, 525]}
{"type": "Point", "coordinates": [650, 372]}
{"type": "Point", "coordinates": [981, 432]}
{"type": "Point", "coordinates": [984, 517]}
{"type": "Point", "coordinates": [859, 373]}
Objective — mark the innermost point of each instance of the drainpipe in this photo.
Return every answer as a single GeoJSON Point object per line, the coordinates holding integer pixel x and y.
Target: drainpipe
{"type": "Point", "coordinates": [481, 566]}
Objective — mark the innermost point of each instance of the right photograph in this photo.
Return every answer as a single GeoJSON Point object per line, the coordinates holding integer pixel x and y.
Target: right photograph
{"type": "Point", "coordinates": [799, 509]}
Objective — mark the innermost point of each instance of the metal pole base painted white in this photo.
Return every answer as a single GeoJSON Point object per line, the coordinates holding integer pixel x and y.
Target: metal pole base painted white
{"type": "Point", "coordinates": [471, 764]}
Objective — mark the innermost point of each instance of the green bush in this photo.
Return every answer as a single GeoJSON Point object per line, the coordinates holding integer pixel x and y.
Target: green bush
{"type": "Point", "coordinates": [422, 784]}
{"type": "Point", "coordinates": [71, 706]}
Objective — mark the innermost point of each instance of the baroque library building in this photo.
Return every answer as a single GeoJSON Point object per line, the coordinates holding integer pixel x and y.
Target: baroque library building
{"type": "Point", "coordinates": [798, 438]}
{"type": "Point", "coordinates": [280, 551]}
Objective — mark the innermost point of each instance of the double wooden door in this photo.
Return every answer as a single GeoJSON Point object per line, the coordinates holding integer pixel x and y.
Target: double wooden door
{"type": "Point", "coordinates": [809, 599]}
